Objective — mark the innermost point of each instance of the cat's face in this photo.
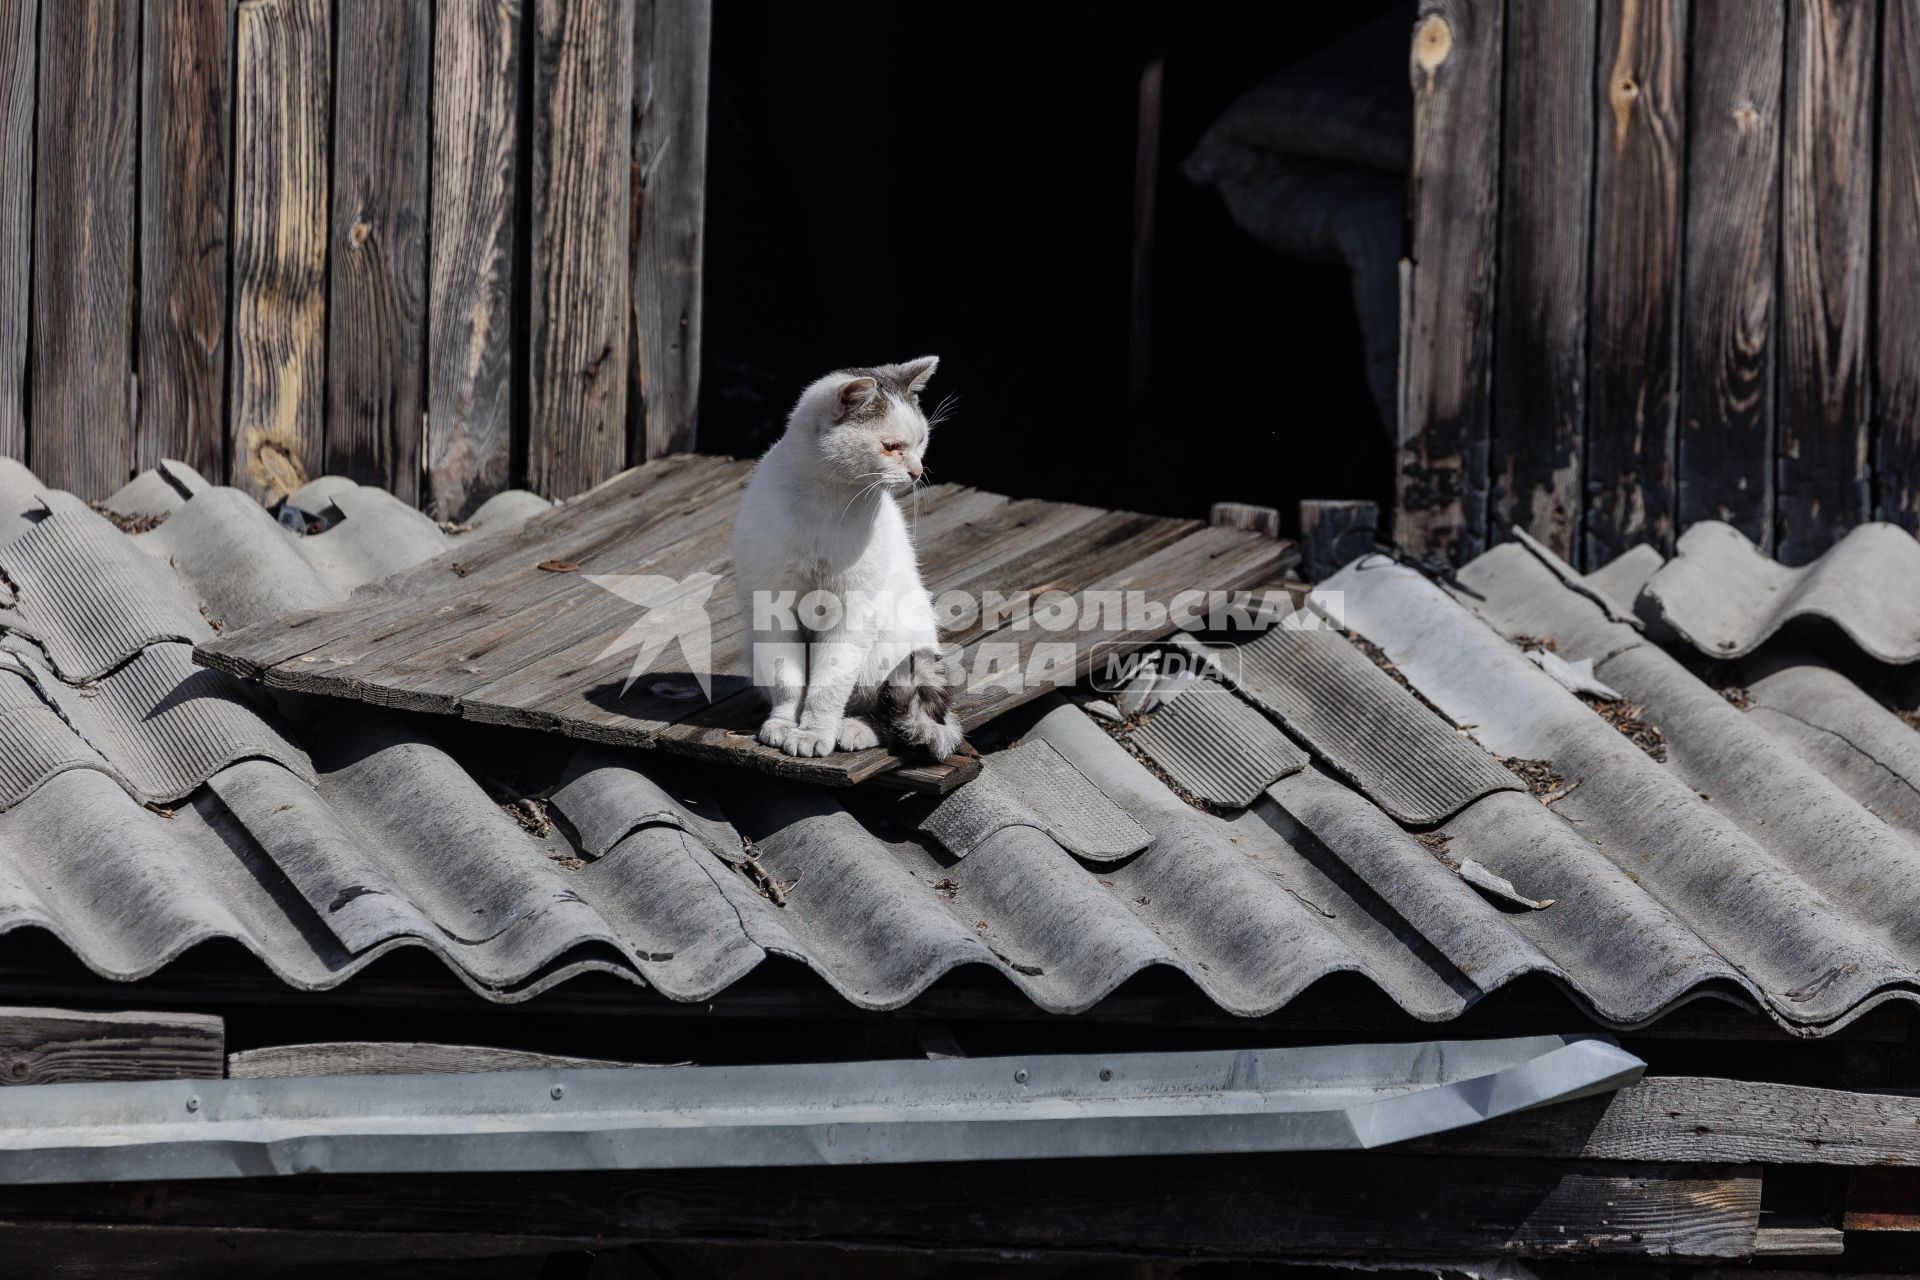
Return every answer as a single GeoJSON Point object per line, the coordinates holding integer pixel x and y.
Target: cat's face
{"type": "Point", "coordinates": [871, 429]}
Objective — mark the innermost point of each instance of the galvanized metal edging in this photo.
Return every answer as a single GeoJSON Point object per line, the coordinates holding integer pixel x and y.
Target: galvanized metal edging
{"type": "Point", "coordinates": [1149, 1104]}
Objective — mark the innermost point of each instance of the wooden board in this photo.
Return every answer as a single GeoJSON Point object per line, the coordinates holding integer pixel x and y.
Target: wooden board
{"type": "Point", "coordinates": [577, 417]}
{"type": "Point", "coordinates": [1633, 342]}
{"type": "Point", "coordinates": [400, 1058]}
{"type": "Point", "coordinates": [59, 1046]}
{"type": "Point", "coordinates": [1737, 50]}
{"type": "Point", "coordinates": [1546, 183]}
{"type": "Point", "coordinates": [1370, 1206]}
{"type": "Point", "coordinates": [484, 632]}
{"type": "Point", "coordinates": [1446, 382]}
{"type": "Point", "coordinates": [1896, 265]}
{"type": "Point", "coordinates": [82, 344]}
{"type": "Point", "coordinates": [669, 181]}
{"type": "Point", "coordinates": [1826, 220]}
{"type": "Point", "coordinates": [281, 81]}
{"type": "Point", "coordinates": [476, 74]}
{"type": "Point", "coordinates": [19, 52]}
{"type": "Point", "coordinates": [376, 311]}
{"type": "Point", "coordinates": [185, 118]}
{"type": "Point", "coordinates": [1704, 1120]}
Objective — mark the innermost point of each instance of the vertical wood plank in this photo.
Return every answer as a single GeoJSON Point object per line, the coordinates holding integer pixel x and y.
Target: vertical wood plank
{"type": "Point", "coordinates": [1826, 214]}
{"type": "Point", "coordinates": [19, 22]}
{"type": "Point", "coordinates": [279, 244]}
{"type": "Point", "coordinates": [1633, 346]}
{"type": "Point", "coordinates": [82, 342]}
{"type": "Point", "coordinates": [578, 380]}
{"type": "Point", "coordinates": [476, 75]}
{"type": "Point", "coordinates": [1737, 50]}
{"type": "Point", "coordinates": [185, 90]}
{"type": "Point", "coordinates": [671, 39]}
{"type": "Point", "coordinates": [376, 310]}
{"type": "Point", "coordinates": [1448, 339]}
{"type": "Point", "coordinates": [1896, 396]}
{"type": "Point", "coordinates": [1540, 360]}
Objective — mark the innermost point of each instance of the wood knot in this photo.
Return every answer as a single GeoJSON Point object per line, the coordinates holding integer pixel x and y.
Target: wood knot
{"type": "Point", "coordinates": [1432, 42]}
{"type": "Point", "coordinates": [357, 237]}
{"type": "Point", "coordinates": [1745, 117]}
{"type": "Point", "coordinates": [18, 1069]}
{"type": "Point", "coordinates": [1625, 88]}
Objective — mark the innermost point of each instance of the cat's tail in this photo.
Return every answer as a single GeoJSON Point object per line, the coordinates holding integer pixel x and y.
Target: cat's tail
{"type": "Point", "coordinates": [916, 702]}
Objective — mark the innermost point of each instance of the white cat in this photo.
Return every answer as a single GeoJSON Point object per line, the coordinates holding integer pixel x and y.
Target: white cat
{"type": "Point", "coordinates": [836, 617]}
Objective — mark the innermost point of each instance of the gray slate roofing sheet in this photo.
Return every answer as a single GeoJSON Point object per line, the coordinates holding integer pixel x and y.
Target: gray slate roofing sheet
{"type": "Point", "coordinates": [1770, 859]}
{"type": "Point", "coordinates": [1216, 747]}
{"type": "Point", "coordinates": [1726, 597]}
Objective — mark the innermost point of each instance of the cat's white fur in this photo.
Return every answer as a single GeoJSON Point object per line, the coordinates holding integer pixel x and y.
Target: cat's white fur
{"type": "Point", "coordinates": [820, 515]}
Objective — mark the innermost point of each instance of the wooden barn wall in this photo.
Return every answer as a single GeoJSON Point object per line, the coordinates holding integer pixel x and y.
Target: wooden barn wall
{"type": "Point", "coordinates": [1664, 268]}
{"type": "Point", "coordinates": [441, 246]}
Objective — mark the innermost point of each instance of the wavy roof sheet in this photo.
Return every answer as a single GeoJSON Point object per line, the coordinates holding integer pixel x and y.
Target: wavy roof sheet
{"type": "Point", "coordinates": [1724, 595]}
{"type": "Point", "coordinates": [1771, 858]}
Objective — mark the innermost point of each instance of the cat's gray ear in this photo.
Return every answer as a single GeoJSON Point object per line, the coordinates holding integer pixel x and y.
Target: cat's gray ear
{"type": "Point", "coordinates": [916, 372]}
{"type": "Point", "coordinates": [856, 394]}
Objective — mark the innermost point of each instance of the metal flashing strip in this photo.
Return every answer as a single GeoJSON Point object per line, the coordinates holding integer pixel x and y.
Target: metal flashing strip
{"type": "Point", "coordinates": [1323, 1098]}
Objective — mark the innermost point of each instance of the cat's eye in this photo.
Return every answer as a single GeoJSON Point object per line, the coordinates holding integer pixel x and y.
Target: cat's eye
{"type": "Point", "coordinates": [893, 446]}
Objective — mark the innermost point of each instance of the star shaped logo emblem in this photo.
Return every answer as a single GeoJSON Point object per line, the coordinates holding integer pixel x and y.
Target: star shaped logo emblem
{"type": "Point", "coordinates": [676, 611]}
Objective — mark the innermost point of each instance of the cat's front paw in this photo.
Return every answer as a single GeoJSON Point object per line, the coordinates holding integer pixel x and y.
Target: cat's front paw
{"type": "Point", "coordinates": [810, 742]}
{"type": "Point", "coordinates": [777, 733]}
{"type": "Point", "coordinates": [856, 735]}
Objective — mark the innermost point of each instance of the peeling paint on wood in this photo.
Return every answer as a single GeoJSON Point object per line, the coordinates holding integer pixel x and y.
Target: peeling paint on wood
{"type": "Point", "coordinates": [1539, 399]}
{"type": "Point", "coordinates": [1449, 312]}
{"type": "Point", "coordinates": [1633, 345]}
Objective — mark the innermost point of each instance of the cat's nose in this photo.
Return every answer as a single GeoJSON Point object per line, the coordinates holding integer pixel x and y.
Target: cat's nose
{"type": "Point", "coordinates": [913, 472]}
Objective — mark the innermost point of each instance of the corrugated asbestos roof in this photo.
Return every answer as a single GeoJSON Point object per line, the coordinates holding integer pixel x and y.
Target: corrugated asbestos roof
{"type": "Point", "coordinates": [146, 805]}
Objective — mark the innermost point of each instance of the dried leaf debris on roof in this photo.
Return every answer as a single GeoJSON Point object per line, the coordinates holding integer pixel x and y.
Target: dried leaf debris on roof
{"type": "Point", "coordinates": [1769, 859]}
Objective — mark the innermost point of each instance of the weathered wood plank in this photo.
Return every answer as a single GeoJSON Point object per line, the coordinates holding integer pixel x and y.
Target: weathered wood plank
{"type": "Point", "coordinates": [476, 74]}
{"type": "Point", "coordinates": [376, 311]}
{"type": "Point", "coordinates": [282, 73]}
{"type": "Point", "coordinates": [1634, 318]}
{"type": "Point", "coordinates": [1453, 205]}
{"type": "Point", "coordinates": [1738, 55]}
{"type": "Point", "coordinates": [486, 633]}
{"type": "Point", "coordinates": [82, 343]}
{"type": "Point", "coordinates": [648, 493]}
{"type": "Point", "coordinates": [1370, 1205]}
{"type": "Point", "coordinates": [398, 1058]}
{"type": "Point", "coordinates": [1826, 222]}
{"type": "Point", "coordinates": [669, 194]}
{"type": "Point", "coordinates": [1540, 361]}
{"type": "Point", "coordinates": [1245, 515]}
{"type": "Point", "coordinates": [1896, 266]}
{"type": "Point", "coordinates": [185, 93]}
{"type": "Point", "coordinates": [19, 53]}
{"type": "Point", "coordinates": [1685, 1119]}
{"type": "Point", "coordinates": [581, 192]}
{"type": "Point", "coordinates": [1334, 533]}
{"type": "Point", "coordinates": [59, 1046]}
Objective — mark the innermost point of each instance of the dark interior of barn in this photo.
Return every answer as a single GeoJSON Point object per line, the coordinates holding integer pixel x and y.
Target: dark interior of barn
{"type": "Point", "coordinates": [1109, 332]}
